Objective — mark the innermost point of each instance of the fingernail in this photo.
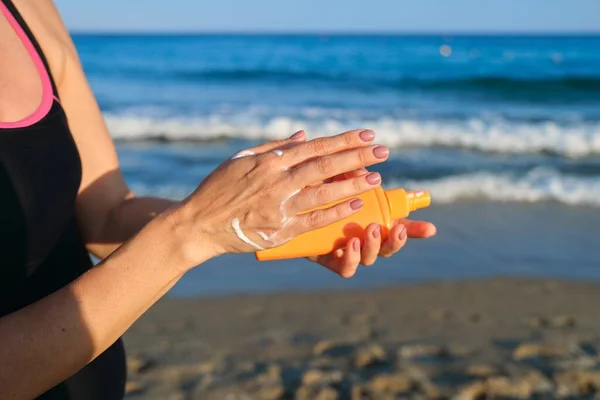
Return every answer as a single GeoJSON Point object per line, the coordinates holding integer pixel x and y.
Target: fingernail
{"type": "Point", "coordinates": [374, 178]}
{"type": "Point", "coordinates": [367, 136]}
{"type": "Point", "coordinates": [356, 204]}
{"type": "Point", "coordinates": [381, 152]}
{"type": "Point", "coordinates": [377, 232]}
{"type": "Point", "coordinates": [356, 245]}
{"type": "Point", "coordinates": [402, 234]}
{"type": "Point", "coordinates": [297, 135]}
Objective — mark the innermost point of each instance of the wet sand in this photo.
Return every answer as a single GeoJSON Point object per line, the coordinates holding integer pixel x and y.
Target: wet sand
{"type": "Point", "coordinates": [492, 338]}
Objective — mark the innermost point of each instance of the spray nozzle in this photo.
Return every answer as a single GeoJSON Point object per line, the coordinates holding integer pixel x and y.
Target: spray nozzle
{"type": "Point", "coordinates": [402, 202]}
{"type": "Point", "coordinates": [418, 199]}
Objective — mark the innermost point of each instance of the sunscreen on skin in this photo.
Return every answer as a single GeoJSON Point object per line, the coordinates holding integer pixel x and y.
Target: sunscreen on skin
{"type": "Point", "coordinates": [380, 206]}
{"type": "Point", "coordinates": [235, 224]}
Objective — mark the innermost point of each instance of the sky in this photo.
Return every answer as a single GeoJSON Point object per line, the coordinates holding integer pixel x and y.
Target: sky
{"type": "Point", "coordinates": [418, 16]}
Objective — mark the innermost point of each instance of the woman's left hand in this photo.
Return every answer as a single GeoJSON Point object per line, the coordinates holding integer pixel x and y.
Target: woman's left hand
{"type": "Point", "coordinates": [365, 251]}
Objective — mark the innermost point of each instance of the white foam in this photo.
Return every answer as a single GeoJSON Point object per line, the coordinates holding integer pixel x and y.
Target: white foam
{"type": "Point", "coordinates": [575, 140]}
{"type": "Point", "coordinates": [539, 185]}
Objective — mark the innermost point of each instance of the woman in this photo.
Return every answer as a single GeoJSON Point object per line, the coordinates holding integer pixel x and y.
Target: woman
{"type": "Point", "coordinates": [63, 195]}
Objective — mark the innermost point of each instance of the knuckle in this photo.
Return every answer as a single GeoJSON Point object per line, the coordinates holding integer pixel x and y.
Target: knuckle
{"type": "Point", "coordinates": [363, 156]}
{"type": "Point", "coordinates": [341, 211]}
{"type": "Point", "coordinates": [320, 146]}
{"type": "Point", "coordinates": [322, 195]}
{"type": "Point", "coordinates": [324, 165]}
{"type": "Point", "coordinates": [349, 138]}
{"type": "Point", "coordinates": [358, 184]}
{"type": "Point", "coordinates": [316, 218]}
{"type": "Point", "coordinates": [267, 160]}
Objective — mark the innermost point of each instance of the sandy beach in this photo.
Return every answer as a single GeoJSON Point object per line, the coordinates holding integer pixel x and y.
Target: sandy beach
{"type": "Point", "coordinates": [475, 339]}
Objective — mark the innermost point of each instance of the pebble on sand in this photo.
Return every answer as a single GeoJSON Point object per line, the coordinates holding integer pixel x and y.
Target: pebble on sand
{"type": "Point", "coordinates": [534, 350]}
{"type": "Point", "coordinates": [391, 383]}
{"type": "Point", "coordinates": [368, 355]}
{"type": "Point", "coordinates": [319, 393]}
{"type": "Point", "coordinates": [315, 377]}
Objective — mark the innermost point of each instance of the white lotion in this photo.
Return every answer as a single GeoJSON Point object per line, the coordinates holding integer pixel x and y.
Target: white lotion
{"type": "Point", "coordinates": [284, 215]}
{"type": "Point", "coordinates": [263, 235]}
{"type": "Point", "coordinates": [243, 153]}
{"type": "Point", "coordinates": [235, 224]}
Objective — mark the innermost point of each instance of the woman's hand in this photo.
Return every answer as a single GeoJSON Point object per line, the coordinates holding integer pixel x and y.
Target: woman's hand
{"type": "Point", "coordinates": [365, 251]}
{"type": "Point", "coordinates": [258, 198]}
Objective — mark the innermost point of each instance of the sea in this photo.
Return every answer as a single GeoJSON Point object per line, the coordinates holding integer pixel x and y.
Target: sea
{"type": "Point", "coordinates": [504, 131]}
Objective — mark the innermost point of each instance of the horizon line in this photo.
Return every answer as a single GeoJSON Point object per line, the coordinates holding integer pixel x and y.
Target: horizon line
{"type": "Point", "coordinates": [331, 33]}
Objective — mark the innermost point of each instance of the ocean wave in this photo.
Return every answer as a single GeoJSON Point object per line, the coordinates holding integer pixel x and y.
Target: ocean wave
{"type": "Point", "coordinates": [236, 75]}
{"type": "Point", "coordinates": [547, 89]}
{"type": "Point", "coordinates": [574, 140]}
{"type": "Point", "coordinates": [538, 185]}
{"type": "Point", "coordinates": [498, 84]}
{"type": "Point", "coordinates": [589, 84]}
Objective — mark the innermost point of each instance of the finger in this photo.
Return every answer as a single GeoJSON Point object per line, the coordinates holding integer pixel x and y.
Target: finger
{"type": "Point", "coordinates": [395, 241]}
{"type": "Point", "coordinates": [357, 172]}
{"type": "Point", "coordinates": [282, 144]}
{"type": "Point", "coordinates": [328, 145]}
{"type": "Point", "coordinates": [324, 167]}
{"type": "Point", "coordinates": [325, 193]}
{"type": "Point", "coordinates": [351, 258]}
{"type": "Point", "coordinates": [344, 176]}
{"type": "Point", "coordinates": [350, 174]}
{"type": "Point", "coordinates": [329, 261]}
{"type": "Point", "coordinates": [319, 218]}
{"type": "Point", "coordinates": [344, 261]}
{"type": "Point", "coordinates": [294, 140]}
{"type": "Point", "coordinates": [418, 229]}
{"type": "Point", "coordinates": [371, 245]}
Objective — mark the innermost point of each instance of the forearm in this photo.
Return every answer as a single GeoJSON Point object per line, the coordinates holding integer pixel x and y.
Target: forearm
{"type": "Point", "coordinates": [53, 338]}
{"type": "Point", "coordinates": [124, 221]}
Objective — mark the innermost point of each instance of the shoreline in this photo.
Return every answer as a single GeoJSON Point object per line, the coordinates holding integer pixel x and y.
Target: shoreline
{"type": "Point", "coordinates": [474, 241]}
{"type": "Point", "coordinates": [504, 336]}
{"type": "Point", "coordinates": [378, 287]}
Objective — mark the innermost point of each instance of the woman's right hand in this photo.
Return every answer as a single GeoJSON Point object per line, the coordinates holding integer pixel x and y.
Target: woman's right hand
{"type": "Point", "coordinates": [258, 199]}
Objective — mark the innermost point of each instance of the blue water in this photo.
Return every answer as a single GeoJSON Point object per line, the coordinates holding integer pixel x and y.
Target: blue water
{"type": "Point", "coordinates": [484, 120]}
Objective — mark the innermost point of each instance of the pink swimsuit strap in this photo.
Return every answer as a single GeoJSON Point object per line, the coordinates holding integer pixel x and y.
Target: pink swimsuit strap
{"type": "Point", "coordinates": [47, 92]}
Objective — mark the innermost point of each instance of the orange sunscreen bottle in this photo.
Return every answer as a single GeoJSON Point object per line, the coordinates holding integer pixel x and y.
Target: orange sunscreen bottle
{"type": "Point", "coordinates": [380, 206]}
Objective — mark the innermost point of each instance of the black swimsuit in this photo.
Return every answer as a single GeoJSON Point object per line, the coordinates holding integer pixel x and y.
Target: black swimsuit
{"type": "Point", "coordinates": [41, 245]}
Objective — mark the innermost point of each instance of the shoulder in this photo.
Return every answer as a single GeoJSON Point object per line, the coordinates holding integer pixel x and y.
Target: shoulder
{"type": "Point", "coordinates": [48, 28]}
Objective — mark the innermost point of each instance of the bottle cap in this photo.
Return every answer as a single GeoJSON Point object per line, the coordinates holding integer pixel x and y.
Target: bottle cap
{"type": "Point", "coordinates": [418, 199]}
{"type": "Point", "coordinates": [403, 202]}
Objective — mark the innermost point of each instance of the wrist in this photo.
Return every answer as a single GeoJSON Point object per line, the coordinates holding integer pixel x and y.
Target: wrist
{"type": "Point", "coordinates": [192, 244]}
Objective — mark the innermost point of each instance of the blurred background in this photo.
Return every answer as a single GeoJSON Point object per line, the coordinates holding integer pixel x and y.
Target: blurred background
{"type": "Point", "coordinates": [492, 106]}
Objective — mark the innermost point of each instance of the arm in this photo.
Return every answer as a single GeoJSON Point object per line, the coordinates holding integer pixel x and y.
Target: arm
{"type": "Point", "coordinates": [53, 338]}
{"type": "Point", "coordinates": [108, 212]}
